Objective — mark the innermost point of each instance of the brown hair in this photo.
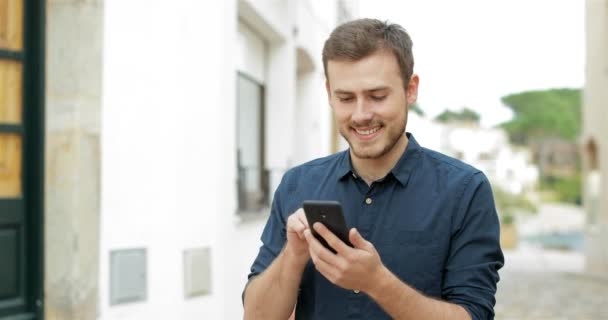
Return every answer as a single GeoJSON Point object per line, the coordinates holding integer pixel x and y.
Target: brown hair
{"type": "Point", "coordinates": [358, 39]}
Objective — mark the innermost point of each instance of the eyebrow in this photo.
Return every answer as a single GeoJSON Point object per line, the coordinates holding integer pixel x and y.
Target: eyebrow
{"type": "Point", "coordinates": [372, 90]}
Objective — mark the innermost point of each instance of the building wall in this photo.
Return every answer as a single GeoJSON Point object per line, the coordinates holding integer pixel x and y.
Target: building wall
{"type": "Point", "coordinates": [595, 133]}
{"type": "Point", "coordinates": [72, 162]}
{"type": "Point", "coordinates": [297, 116]}
{"type": "Point", "coordinates": [168, 178]}
{"type": "Point", "coordinates": [168, 166]}
{"type": "Point", "coordinates": [141, 140]}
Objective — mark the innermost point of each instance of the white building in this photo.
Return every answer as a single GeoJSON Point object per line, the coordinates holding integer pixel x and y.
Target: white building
{"type": "Point", "coordinates": [487, 149]}
{"type": "Point", "coordinates": [235, 98]}
{"type": "Point", "coordinates": [140, 143]}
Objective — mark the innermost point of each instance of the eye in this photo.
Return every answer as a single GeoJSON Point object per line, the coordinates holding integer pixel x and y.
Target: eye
{"type": "Point", "coordinates": [345, 99]}
{"type": "Point", "coordinates": [378, 98]}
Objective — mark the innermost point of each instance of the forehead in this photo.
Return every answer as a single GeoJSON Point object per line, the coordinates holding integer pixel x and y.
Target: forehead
{"type": "Point", "coordinates": [378, 69]}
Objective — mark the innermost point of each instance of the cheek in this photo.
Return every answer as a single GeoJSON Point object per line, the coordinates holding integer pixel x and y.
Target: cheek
{"type": "Point", "coordinates": [341, 114]}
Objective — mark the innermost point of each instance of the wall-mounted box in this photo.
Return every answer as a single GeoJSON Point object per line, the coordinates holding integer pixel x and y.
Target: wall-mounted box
{"type": "Point", "coordinates": [197, 272]}
{"type": "Point", "coordinates": [128, 276]}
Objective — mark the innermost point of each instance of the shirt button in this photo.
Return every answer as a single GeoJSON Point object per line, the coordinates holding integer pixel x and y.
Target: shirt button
{"type": "Point", "coordinates": [356, 291]}
{"type": "Point", "coordinates": [368, 200]}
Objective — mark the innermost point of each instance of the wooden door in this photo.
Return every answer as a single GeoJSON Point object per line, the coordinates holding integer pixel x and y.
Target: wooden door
{"type": "Point", "coordinates": [19, 252]}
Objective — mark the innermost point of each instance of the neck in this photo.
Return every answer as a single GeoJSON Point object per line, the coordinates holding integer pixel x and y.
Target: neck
{"type": "Point", "coordinates": [371, 170]}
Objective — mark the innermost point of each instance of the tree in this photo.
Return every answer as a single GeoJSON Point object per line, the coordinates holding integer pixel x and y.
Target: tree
{"type": "Point", "coordinates": [542, 120]}
{"type": "Point", "coordinates": [543, 114]}
{"type": "Point", "coordinates": [464, 115]}
{"type": "Point", "coordinates": [416, 109]}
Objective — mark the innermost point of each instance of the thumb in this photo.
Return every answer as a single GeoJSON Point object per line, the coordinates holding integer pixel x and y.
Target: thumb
{"type": "Point", "coordinates": [356, 239]}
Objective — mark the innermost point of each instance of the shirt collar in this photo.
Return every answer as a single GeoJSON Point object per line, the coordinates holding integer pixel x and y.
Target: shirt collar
{"type": "Point", "coordinates": [408, 161]}
{"type": "Point", "coordinates": [401, 171]}
{"type": "Point", "coordinates": [344, 166]}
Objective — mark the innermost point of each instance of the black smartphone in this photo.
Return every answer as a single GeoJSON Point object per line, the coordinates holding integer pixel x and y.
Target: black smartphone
{"type": "Point", "coordinates": [329, 213]}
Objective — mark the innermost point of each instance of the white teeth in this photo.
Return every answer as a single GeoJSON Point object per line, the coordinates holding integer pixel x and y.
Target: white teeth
{"type": "Point", "coordinates": [367, 132]}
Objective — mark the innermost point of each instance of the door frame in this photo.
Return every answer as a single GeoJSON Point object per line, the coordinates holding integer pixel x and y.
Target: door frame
{"type": "Point", "coordinates": [33, 95]}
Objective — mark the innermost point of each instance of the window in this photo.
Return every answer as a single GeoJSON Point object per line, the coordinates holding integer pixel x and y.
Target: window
{"type": "Point", "coordinates": [252, 176]}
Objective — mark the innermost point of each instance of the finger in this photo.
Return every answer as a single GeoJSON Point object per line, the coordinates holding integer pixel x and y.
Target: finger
{"type": "Point", "coordinates": [316, 248]}
{"type": "Point", "coordinates": [331, 238]}
{"type": "Point", "coordinates": [358, 241]}
{"type": "Point", "coordinates": [297, 225]}
{"type": "Point", "coordinates": [314, 245]}
{"type": "Point", "coordinates": [328, 271]}
{"type": "Point", "coordinates": [302, 218]}
{"type": "Point", "coordinates": [294, 225]}
{"type": "Point", "coordinates": [299, 229]}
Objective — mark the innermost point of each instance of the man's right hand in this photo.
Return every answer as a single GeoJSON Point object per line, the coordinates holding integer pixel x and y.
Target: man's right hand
{"type": "Point", "coordinates": [273, 293]}
{"type": "Point", "coordinates": [296, 242]}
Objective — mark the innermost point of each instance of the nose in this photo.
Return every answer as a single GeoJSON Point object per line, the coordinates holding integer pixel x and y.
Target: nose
{"type": "Point", "coordinates": [362, 113]}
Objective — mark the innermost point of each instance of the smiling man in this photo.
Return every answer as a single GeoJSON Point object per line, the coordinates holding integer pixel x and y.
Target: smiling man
{"type": "Point", "coordinates": [424, 226]}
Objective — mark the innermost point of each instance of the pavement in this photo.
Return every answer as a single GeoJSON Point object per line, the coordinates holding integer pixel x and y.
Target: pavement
{"type": "Point", "coordinates": [539, 284]}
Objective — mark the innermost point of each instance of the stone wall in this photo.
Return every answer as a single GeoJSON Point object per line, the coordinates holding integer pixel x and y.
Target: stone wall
{"type": "Point", "coordinates": [595, 137]}
{"type": "Point", "coordinates": [72, 164]}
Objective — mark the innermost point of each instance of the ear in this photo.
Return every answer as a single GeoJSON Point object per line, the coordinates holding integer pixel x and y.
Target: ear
{"type": "Point", "coordinates": [412, 89]}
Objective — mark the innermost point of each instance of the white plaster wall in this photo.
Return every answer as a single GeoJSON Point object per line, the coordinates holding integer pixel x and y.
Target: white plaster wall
{"type": "Point", "coordinates": [251, 53]}
{"type": "Point", "coordinates": [311, 110]}
{"type": "Point", "coordinates": [167, 146]}
{"type": "Point", "coordinates": [168, 142]}
{"type": "Point", "coordinates": [290, 106]}
{"type": "Point", "coordinates": [313, 114]}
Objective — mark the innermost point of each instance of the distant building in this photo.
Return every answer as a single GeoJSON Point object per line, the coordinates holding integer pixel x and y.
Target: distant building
{"type": "Point", "coordinates": [556, 157]}
{"type": "Point", "coordinates": [487, 149]}
{"type": "Point", "coordinates": [595, 137]}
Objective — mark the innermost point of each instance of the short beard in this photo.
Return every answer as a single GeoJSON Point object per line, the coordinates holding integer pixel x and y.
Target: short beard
{"type": "Point", "coordinates": [393, 139]}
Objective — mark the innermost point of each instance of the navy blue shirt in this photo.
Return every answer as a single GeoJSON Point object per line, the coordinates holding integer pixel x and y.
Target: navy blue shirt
{"type": "Point", "coordinates": [432, 219]}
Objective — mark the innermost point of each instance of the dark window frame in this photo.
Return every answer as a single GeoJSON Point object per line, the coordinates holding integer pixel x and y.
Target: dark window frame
{"type": "Point", "coordinates": [242, 204]}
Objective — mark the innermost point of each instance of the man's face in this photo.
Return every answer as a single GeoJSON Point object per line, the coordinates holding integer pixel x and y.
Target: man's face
{"type": "Point", "coordinates": [370, 102]}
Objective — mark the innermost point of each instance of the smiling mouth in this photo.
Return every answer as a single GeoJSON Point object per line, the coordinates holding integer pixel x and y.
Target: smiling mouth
{"type": "Point", "coordinates": [366, 132]}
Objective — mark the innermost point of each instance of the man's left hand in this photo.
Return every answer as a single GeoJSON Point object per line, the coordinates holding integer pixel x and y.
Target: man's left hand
{"type": "Point", "coordinates": [355, 268]}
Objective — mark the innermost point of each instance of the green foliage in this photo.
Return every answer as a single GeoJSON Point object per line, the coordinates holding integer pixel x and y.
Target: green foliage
{"type": "Point", "coordinates": [565, 189]}
{"type": "Point", "coordinates": [416, 109]}
{"type": "Point", "coordinates": [508, 204]}
{"type": "Point", "coordinates": [464, 115]}
{"type": "Point", "coordinates": [546, 113]}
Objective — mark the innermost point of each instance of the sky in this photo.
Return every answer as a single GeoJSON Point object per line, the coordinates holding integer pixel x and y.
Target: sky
{"type": "Point", "coordinates": [472, 52]}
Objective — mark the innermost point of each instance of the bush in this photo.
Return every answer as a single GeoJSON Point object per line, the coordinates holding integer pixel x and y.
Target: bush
{"type": "Point", "coordinates": [508, 204]}
{"type": "Point", "coordinates": [566, 189]}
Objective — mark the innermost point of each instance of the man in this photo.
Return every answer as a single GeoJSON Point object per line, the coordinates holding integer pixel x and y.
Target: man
{"type": "Point", "coordinates": [425, 230]}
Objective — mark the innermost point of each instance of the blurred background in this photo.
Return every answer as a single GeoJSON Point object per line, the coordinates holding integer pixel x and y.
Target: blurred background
{"type": "Point", "coordinates": [141, 142]}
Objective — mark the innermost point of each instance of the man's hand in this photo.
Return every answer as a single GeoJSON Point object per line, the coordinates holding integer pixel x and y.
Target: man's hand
{"type": "Point", "coordinates": [296, 242]}
{"type": "Point", "coordinates": [273, 293]}
{"type": "Point", "coordinates": [351, 268]}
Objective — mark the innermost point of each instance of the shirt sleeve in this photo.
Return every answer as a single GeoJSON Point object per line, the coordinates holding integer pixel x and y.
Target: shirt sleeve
{"type": "Point", "coordinates": [475, 255]}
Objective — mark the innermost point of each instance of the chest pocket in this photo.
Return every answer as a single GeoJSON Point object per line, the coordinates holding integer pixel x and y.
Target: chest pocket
{"type": "Point", "coordinates": [415, 257]}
